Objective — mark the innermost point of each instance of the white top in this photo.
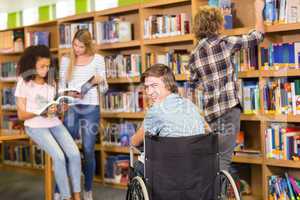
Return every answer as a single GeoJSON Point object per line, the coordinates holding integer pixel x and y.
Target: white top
{"type": "Point", "coordinates": [37, 96]}
{"type": "Point", "coordinates": [81, 73]}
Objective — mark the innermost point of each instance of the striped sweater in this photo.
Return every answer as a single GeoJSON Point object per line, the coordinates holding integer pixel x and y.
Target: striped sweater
{"type": "Point", "coordinates": [81, 73]}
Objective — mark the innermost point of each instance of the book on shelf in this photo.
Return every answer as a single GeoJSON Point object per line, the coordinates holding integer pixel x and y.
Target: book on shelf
{"type": "Point", "coordinates": [177, 60]}
{"type": "Point", "coordinates": [120, 66]}
{"type": "Point", "coordinates": [16, 154]}
{"type": "Point", "coordinates": [114, 30]}
{"type": "Point", "coordinates": [279, 55]}
{"type": "Point", "coordinates": [283, 11]}
{"type": "Point", "coordinates": [282, 141]}
{"type": "Point", "coordinates": [246, 59]}
{"type": "Point", "coordinates": [282, 96]}
{"type": "Point", "coordinates": [68, 30]}
{"type": "Point", "coordinates": [283, 186]}
{"type": "Point", "coordinates": [117, 169]}
{"type": "Point", "coordinates": [11, 125]}
{"type": "Point", "coordinates": [11, 41]}
{"type": "Point", "coordinates": [119, 134]}
{"type": "Point", "coordinates": [123, 101]}
{"type": "Point", "coordinates": [38, 38]}
{"type": "Point", "coordinates": [38, 156]}
{"type": "Point", "coordinates": [157, 26]}
{"type": "Point", "coordinates": [8, 71]}
{"type": "Point", "coordinates": [8, 98]}
{"type": "Point", "coordinates": [250, 96]}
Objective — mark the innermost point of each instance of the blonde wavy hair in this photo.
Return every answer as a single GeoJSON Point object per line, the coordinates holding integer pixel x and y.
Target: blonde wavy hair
{"type": "Point", "coordinates": [208, 22]}
{"type": "Point", "coordinates": [84, 36]}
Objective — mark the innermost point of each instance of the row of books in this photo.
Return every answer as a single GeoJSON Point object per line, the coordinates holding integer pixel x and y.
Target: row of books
{"type": "Point", "coordinates": [282, 141]}
{"type": "Point", "coordinates": [123, 101]}
{"type": "Point", "coordinates": [177, 60]}
{"type": "Point", "coordinates": [20, 154]}
{"type": "Point", "coordinates": [246, 59]}
{"type": "Point", "coordinates": [156, 26]}
{"type": "Point", "coordinates": [10, 124]}
{"type": "Point", "coordinates": [8, 70]}
{"type": "Point", "coordinates": [38, 38]}
{"type": "Point", "coordinates": [281, 96]}
{"type": "Point", "coordinates": [11, 41]}
{"type": "Point", "coordinates": [119, 134]}
{"type": "Point", "coordinates": [8, 98]}
{"type": "Point", "coordinates": [67, 32]}
{"type": "Point", "coordinates": [118, 66]}
{"type": "Point", "coordinates": [278, 55]}
{"type": "Point", "coordinates": [282, 11]}
{"type": "Point", "coordinates": [117, 169]}
{"type": "Point", "coordinates": [114, 30]}
{"type": "Point", "coordinates": [284, 187]}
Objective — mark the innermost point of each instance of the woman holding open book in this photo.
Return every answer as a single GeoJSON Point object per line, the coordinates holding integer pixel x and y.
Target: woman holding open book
{"type": "Point", "coordinates": [80, 76]}
{"type": "Point", "coordinates": [33, 92]}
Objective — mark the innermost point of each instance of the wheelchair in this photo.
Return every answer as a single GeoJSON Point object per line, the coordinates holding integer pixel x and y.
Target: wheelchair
{"type": "Point", "coordinates": [182, 168]}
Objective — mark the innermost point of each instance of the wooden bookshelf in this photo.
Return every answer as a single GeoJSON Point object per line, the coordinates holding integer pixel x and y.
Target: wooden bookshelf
{"type": "Point", "coordinates": [261, 166]}
{"type": "Point", "coordinates": [169, 39]}
{"type": "Point", "coordinates": [118, 45]}
{"type": "Point", "coordinates": [248, 160]}
{"type": "Point", "coordinates": [123, 80]}
{"type": "Point", "coordinates": [123, 115]}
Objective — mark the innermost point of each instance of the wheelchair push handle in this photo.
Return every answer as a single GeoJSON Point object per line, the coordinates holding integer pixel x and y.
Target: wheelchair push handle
{"type": "Point", "coordinates": [133, 150]}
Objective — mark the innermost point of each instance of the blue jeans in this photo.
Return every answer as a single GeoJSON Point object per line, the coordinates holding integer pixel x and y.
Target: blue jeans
{"type": "Point", "coordinates": [84, 119]}
{"type": "Point", "coordinates": [57, 142]}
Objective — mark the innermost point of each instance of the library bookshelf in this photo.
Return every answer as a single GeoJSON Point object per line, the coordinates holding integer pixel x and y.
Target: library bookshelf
{"type": "Point", "coordinates": [258, 168]}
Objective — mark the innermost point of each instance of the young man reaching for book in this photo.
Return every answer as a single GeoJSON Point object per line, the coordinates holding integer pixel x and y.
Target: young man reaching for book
{"type": "Point", "coordinates": [212, 68]}
{"type": "Point", "coordinates": [170, 115]}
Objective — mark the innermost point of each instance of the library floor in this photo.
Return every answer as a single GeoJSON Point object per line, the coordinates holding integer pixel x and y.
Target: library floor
{"type": "Point", "coordinates": [24, 185]}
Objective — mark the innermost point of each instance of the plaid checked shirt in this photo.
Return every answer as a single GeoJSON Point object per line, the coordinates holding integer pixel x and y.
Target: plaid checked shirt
{"type": "Point", "coordinates": [212, 68]}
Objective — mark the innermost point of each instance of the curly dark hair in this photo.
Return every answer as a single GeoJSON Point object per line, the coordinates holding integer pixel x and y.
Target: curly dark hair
{"type": "Point", "coordinates": [160, 70]}
{"type": "Point", "coordinates": [27, 63]}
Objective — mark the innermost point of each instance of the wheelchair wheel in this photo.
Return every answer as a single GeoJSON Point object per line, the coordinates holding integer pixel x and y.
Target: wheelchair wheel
{"type": "Point", "coordinates": [229, 190]}
{"type": "Point", "coordinates": [137, 190]}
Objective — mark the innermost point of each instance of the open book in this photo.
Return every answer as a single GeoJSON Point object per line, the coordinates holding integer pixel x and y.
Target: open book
{"type": "Point", "coordinates": [82, 89]}
{"type": "Point", "coordinates": [59, 101]}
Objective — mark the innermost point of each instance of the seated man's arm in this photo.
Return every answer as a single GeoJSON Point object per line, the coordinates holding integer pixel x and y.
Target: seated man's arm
{"type": "Point", "coordinates": [138, 138]}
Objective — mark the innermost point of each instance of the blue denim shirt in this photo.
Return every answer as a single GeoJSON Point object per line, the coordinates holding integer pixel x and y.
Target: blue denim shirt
{"type": "Point", "coordinates": [174, 117]}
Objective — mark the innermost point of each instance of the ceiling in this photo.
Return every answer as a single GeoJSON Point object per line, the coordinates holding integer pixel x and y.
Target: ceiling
{"type": "Point", "coordinates": [16, 5]}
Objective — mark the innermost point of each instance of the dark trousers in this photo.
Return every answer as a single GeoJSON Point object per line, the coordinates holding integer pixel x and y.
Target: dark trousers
{"type": "Point", "coordinates": [227, 126]}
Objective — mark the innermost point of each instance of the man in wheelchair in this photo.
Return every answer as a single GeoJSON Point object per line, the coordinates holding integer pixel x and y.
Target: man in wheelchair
{"type": "Point", "coordinates": [170, 115]}
{"type": "Point", "coordinates": [181, 162]}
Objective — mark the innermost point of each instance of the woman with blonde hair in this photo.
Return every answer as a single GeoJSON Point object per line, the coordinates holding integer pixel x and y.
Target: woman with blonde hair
{"type": "Point", "coordinates": [82, 119]}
